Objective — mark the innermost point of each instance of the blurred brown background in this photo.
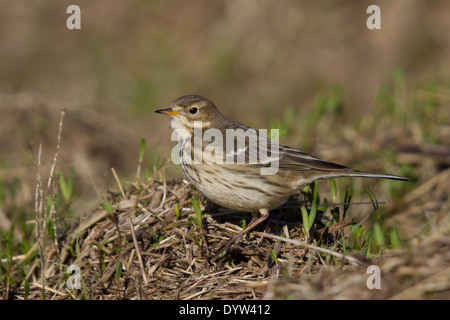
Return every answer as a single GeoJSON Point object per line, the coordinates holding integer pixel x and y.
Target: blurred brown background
{"type": "Point", "coordinates": [254, 59]}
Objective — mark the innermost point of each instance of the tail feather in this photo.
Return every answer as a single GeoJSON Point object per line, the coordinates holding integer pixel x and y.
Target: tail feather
{"type": "Point", "coordinates": [295, 160]}
{"type": "Point", "coordinates": [369, 174]}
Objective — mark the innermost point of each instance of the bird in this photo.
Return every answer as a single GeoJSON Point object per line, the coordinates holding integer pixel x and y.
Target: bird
{"type": "Point", "coordinates": [245, 172]}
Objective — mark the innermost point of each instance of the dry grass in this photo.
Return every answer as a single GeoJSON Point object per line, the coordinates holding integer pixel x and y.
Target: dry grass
{"type": "Point", "coordinates": [162, 257]}
{"type": "Point", "coordinates": [178, 267]}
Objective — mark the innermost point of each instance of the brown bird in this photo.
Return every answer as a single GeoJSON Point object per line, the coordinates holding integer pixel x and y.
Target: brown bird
{"type": "Point", "coordinates": [239, 168]}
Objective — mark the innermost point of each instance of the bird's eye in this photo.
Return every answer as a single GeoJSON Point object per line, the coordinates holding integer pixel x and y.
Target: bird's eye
{"type": "Point", "coordinates": [193, 110]}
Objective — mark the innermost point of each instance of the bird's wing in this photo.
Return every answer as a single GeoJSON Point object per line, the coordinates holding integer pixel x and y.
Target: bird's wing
{"type": "Point", "coordinates": [292, 159]}
{"type": "Point", "coordinates": [246, 145]}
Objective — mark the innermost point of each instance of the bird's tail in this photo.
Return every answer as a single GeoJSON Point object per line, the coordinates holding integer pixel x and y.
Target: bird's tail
{"type": "Point", "coordinates": [369, 174]}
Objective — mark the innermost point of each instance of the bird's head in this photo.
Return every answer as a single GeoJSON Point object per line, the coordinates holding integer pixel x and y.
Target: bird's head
{"type": "Point", "coordinates": [185, 111]}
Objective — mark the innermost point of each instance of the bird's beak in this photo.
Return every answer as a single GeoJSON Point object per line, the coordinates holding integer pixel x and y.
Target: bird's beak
{"type": "Point", "coordinates": [169, 111]}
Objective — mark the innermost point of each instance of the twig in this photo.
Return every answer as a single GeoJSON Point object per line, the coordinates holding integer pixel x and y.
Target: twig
{"type": "Point", "coordinates": [200, 279]}
{"type": "Point", "coordinates": [38, 198]}
{"type": "Point", "coordinates": [52, 213]}
{"type": "Point", "coordinates": [58, 145]}
{"type": "Point", "coordinates": [163, 200]}
{"type": "Point", "coordinates": [138, 252]}
{"type": "Point", "coordinates": [195, 294]}
{"type": "Point", "coordinates": [118, 182]}
{"type": "Point", "coordinates": [310, 246]}
{"type": "Point", "coordinates": [295, 205]}
{"type": "Point", "coordinates": [40, 286]}
{"type": "Point", "coordinates": [141, 158]}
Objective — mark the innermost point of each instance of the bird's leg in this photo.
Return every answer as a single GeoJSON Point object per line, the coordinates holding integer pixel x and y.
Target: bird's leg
{"type": "Point", "coordinates": [257, 218]}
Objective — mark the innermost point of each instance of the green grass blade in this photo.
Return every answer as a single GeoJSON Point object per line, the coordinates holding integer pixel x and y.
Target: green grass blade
{"type": "Point", "coordinates": [305, 218]}
{"type": "Point", "coordinates": [198, 211]}
{"type": "Point", "coordinates": [142, 150]}
{"type": "Point", "coordinates": [274, 256]}
{"type": "Point", "coordinates": [312, 214]}
{"type": "Point", "coordinates": [333, 188]}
